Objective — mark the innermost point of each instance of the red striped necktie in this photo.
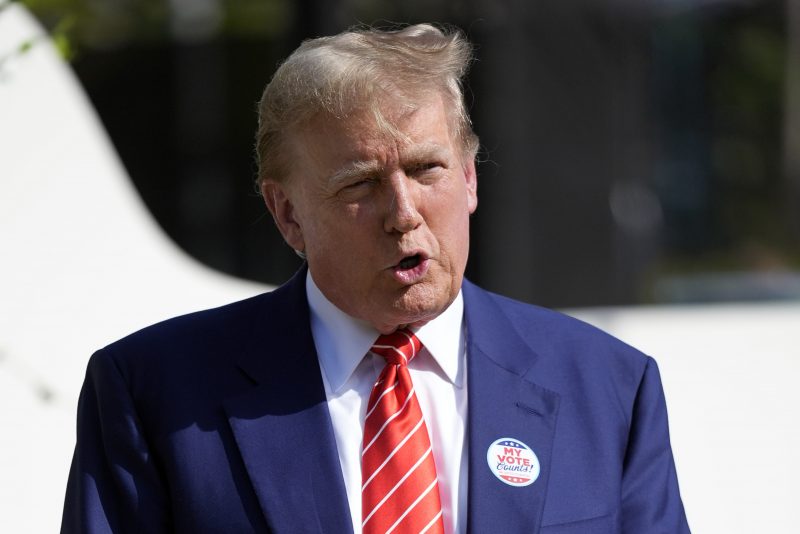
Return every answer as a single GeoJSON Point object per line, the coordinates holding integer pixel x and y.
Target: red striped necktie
{"type": "Point", "coordinates": [399, 491]}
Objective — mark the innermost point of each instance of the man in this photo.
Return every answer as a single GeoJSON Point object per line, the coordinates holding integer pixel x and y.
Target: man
{"type": "Point", "coordinates": [377, 390]}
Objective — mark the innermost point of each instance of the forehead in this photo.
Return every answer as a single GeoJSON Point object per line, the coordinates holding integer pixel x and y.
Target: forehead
{"type": "Point", "coordinates": [392, 129]}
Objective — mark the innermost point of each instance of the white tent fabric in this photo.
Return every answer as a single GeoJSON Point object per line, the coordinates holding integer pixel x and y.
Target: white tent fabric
{"type": "Point", "coordinates": [83, 263]}
{"type": "Point", "coordinates": [730, 373]}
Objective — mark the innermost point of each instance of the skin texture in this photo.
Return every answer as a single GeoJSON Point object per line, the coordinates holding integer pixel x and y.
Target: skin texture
{"type": "Point", "coordinates": [358, 200]}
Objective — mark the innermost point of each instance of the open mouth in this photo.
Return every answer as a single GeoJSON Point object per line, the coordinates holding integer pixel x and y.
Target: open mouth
{"type": "Point", "coordinates": [411, 269]}
{"type": "Point", "coordinates": [410, 262]}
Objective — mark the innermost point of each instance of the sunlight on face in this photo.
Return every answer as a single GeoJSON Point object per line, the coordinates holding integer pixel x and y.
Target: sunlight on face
{"type": "Point", "coordinates": [384, 221]}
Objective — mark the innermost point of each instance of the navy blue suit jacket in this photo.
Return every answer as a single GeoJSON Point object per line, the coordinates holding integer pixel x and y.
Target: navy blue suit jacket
{"type": "Point", "coordinates": [217, 422]}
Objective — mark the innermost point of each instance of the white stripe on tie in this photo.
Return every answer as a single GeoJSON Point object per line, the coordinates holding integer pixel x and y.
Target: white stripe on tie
{"type": "Point", "coordinates": [390, 388]}
{"type": "Point", "coordinates": [391, 491]}
{"type": "Point", "coordinates": [411, 507]}
{"type": "Point", "coordinates": [399, 446]}
{"type": "Point", "coordinates": [389, 420]}
{"type": "Point", "coordinates": [429, 525]}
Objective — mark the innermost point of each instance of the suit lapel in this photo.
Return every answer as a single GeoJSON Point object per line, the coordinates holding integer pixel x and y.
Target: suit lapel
{"type": "Point", "coordinates": [282, 425]}
{"type": "Point", "coordinates": [503, 403]}
{"type": "Point", "coordinates": [284, 434]}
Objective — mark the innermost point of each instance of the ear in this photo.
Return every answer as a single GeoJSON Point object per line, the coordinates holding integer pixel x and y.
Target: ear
{"type": "Point", "coordinates": [471, 178]}
{"type": "Point", "coordinates": [280, 205]}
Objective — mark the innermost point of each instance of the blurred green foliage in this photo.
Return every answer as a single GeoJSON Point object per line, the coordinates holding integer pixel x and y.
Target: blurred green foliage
{"type": "Point", "coordinates": [77, 24]}
{"type": "Point", "coordinates": [720, 76]}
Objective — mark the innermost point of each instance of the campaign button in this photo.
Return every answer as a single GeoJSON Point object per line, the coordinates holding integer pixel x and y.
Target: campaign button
{"type": "Point", "coordinates": [513, 462]}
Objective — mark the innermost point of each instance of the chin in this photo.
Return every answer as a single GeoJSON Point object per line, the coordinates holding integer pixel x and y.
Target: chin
{"type": "Point", "coordinates": [421, 304]}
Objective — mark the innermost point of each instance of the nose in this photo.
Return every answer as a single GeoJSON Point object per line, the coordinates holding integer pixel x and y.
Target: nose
{"type": "Point", "coordinates": [402, 214]}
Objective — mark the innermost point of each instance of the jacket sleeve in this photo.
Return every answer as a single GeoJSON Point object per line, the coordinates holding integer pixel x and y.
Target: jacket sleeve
{"type": "Point", "coordinates": [114, 485]}
{"type": "Point", "coordinates": [651, 500]}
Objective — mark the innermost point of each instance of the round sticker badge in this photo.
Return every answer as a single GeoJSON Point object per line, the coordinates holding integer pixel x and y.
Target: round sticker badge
{"type": "Point", "coordinates": [513, 462]}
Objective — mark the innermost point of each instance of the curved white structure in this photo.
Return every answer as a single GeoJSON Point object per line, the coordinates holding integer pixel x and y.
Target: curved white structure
{"type": "Point", "coordinates": [83, 263]}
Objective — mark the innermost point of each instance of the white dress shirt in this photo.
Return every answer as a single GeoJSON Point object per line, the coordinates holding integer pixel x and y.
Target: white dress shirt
{"type": "Point", "coordinates": [440, 381]}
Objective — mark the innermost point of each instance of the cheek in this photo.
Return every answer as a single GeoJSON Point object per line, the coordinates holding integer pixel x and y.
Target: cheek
{"type": "Point", "coordinates": [451, 229]}
{"type": "Point", "coordinates": [452, 209]}
{"type": "Point", "coordinates": [341, 238]}
{"type": "Point", "coordinates": [321, 243]}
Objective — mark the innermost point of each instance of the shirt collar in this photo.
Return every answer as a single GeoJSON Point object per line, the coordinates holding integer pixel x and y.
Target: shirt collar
{"type": "Point", "coordinates": [342, 341]}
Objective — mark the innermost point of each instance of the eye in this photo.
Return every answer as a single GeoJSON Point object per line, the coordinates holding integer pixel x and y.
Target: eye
{"type": "Point", "coordinates": [360, 183]}
{"type": "Point", "coordinates": [357, 187]}
{"type": "Point", "coordinates": [425, 167]}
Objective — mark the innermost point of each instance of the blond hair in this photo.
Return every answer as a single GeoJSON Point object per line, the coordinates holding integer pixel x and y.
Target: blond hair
{"type": "Point", "coordinates": [355, 71]}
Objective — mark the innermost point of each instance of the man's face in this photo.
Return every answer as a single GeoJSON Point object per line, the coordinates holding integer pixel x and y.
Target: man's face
{"type": "Point", "coordinates": [384, 222]}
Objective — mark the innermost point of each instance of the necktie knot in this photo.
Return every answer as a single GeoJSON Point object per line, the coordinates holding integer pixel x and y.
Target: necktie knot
{"type": "Point", "coordinates": [398, 348]}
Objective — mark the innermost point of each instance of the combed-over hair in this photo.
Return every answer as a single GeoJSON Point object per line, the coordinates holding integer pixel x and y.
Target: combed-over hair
{"type": "Point", "coordinates": [352, 72]}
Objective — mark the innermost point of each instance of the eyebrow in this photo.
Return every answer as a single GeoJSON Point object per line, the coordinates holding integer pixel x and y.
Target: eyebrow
{"type": "Point", "coordinates": [354, 170]}
{"type": "Point", "coordinates": [419, 153]}
{"type": "Point", "coordinates": [362, 168]}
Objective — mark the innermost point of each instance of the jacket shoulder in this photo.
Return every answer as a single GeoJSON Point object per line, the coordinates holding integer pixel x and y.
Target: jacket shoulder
{"type": "Point", "coordinates": [198, 327]}
{"type": "Point", "coordinates": [564, 346]}
{"type": "Point", "coordinates": [531, 320]}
